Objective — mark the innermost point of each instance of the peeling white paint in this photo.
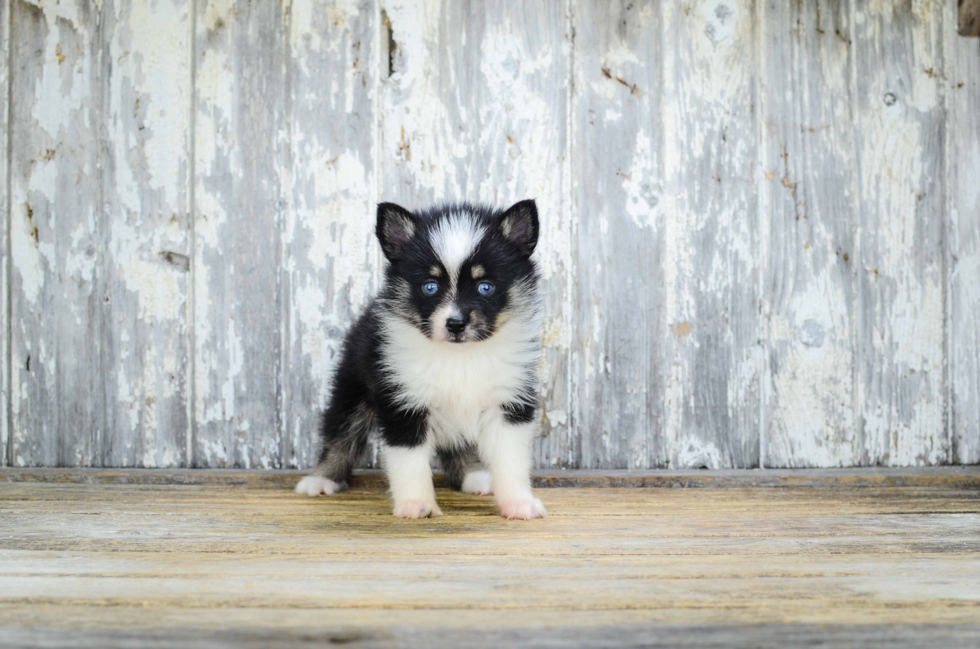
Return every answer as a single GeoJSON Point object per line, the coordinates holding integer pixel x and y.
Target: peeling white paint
{"type": "Point", "coordinates": [642, 197]}
{"type": "Point", "coordinates": [900, 392]}
{"type": "Point", "coordinates": [695, 454]}
{"type": "Point", "coordinates": [27, 255]}
{"type": "Point", "coordinates": [486, 112]}
{"type": "Point", "coordinates": [711, 241]}
{"type": "Point", "coordinates": [963, 237]}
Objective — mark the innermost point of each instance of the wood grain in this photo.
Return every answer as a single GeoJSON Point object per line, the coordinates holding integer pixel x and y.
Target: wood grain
{"type": "Point", "coordinates": [239, 157]}
{"type": "Point", "coordinates": [146, 250]}
{"type": "Point", "coordinates": [618, 197]}
{"type": "Point", "coordinates": [969, 17]}
{"type": "Point", "coordinates": [58, 300]}
{"type": "Point", "coordinates": [475, 109]}
{"type": "Point", "coordinates": [4, 239]}
{"type": "Point", "coordinates": [160, 561]}
{"type": "Point", "coordinates": [712, 277]}
{"type": "Point", "coordinates": [962, 92]}
{"type": "Point", "coordinates": [900, 138]}
{"type": "Point", "coordinates": [808, 194]}
{"type": "Point", "coordinates": [330, 256]}
{"type": "Point", "coordinates": [638, 634]}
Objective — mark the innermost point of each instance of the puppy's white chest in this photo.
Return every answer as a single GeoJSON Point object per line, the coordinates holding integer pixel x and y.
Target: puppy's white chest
{"type": "Point", "coordinates": [458, 388]}
{"type": "Point", "coordinates": [453, 379]}
{"type": "Point", "coordinates": [459, 384]}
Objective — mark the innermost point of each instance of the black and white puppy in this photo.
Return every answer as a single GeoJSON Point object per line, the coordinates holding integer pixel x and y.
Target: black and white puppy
{"type": "Point", "coordinates": [444, 361]}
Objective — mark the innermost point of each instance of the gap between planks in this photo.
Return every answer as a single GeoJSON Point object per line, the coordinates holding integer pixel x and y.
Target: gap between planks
{"type": "Point", "coordinates": [964, 477]}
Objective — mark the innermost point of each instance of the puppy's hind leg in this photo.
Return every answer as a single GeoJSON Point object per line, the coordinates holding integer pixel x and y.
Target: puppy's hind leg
{"type": "Point", "coordinates": [344, 434]}
{"type": "Point", "coordinates": [464, 472]}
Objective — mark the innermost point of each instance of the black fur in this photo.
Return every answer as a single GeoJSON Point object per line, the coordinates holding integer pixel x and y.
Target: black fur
{"type": "Point", "coordinates": [519, 412]}
{"type": "Point", "coordinates": [456, 462]}
{"type": "Point", "coordinates": [406, 242]}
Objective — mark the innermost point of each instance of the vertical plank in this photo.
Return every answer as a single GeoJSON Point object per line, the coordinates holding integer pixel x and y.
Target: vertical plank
{"type": "Point", "coordinates": [712, 272]}
{"type": "Point", "coordinates": [618, 250]}
{"type": "Point", "coordinates": [5, 241]}
{"type": "Point", "coordinates": [330, 259]}
{"type": "Point", "coordinates": [57, 291]}
{"type": "Point", "coordinates": [239, 123]}
{"type": "Point", "coordinates": [476, 110]}
{"type": "Point", "coordinates": [809, 198]}
{"type": "Point", "coordinates": [963, 192]}
{"type": "Point", "coordinates": [147, 256]}
{"type": "Point", "coordinates": [899, 125]}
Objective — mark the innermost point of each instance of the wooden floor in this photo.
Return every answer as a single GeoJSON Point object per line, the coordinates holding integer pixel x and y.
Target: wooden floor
{"type": "Point", "coordinates": [236, 559]}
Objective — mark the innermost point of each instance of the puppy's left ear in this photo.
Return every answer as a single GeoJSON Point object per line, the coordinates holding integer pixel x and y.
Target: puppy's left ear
{"type": "Point", "coordinates": [519, 225]}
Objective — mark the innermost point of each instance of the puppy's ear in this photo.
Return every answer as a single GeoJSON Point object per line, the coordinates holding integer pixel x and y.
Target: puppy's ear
{"type": "Point", "coordinates": [396, 228]}
{"type": "Point", "coordinates": [519, 225]}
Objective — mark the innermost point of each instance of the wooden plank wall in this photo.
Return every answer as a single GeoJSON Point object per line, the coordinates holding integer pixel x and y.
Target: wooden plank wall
{"type": "Point", "coordinates": [809, 197]}
{"type": "Point", "coordinates": [4, 239]}
{"type": "Point", "coordinates": [617, 368]}
{"type": "Point", "coordinates": [962, 57]}
{"type": "Point", "coordinates": [59, 303]}
{"type": "Point", "coordinates": [761, 239]}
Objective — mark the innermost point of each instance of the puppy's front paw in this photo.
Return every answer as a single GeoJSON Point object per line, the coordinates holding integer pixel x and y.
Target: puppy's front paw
{"type": "Point", "coordinates": [417, 509]}
{"type": "Point", "coordinates": [313, 485]}
{"type": "Point", "coordinates": [477, 482]}
{"type": "Point", "coordinates": [523, 509]}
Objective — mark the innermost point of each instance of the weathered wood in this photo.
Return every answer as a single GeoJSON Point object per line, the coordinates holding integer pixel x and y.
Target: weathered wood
{"type": "Point", "coordinates": [962, 92]}
{"type": "Point", "coordinates": [57, 287]}
{"type": "Point", "coordinates": [961, 477]}
{"type": "Point", "coordinates": [161, 561]}
{"type": "Point", "coordinates": [712, 275]}
{"type": "Point", "coordinates": [900, 135]}
{"type": "Point", "coordinates": [4, 240]}
{"type": "Point", "coordinates": [239, 153]}
{"type": "Point", "coordinates": [808, 194]}
{"type": "Point", "coordinates": [618, 247]}
{"type": "Point", "coordinates": [759, 243]}
{"type": "Point", "coordinates": [330, 257]}
{"type": "Point", "coordinates": [637, 634]}
{"type": "Point", "coordinates": [145, 254]}
{"type": "Point", "coordinates": [476, 110]}
{"type": "Point", "coordinates": [969, 17]}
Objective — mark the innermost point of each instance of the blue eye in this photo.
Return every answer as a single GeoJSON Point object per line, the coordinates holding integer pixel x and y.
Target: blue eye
{"type": "Point", "coordinates": [430, 288]}
{"type": "Point", "coordinates": [485, 288]}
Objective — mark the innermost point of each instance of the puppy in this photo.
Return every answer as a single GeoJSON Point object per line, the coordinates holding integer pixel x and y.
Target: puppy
{"type": "Point", "coordinates": [444, 361]}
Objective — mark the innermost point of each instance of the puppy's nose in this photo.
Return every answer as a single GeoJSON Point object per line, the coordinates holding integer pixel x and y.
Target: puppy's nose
{"type": "Point", "coordinates": [455, 324]}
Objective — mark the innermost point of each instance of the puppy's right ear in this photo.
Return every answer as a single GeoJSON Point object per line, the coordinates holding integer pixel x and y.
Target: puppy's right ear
{"type": "Point", "coordinates": [396, 228]}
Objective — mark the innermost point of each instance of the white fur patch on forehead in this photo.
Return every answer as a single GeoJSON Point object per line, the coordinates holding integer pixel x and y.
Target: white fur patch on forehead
{"type": "Point", "coordinates": [455, 239]}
